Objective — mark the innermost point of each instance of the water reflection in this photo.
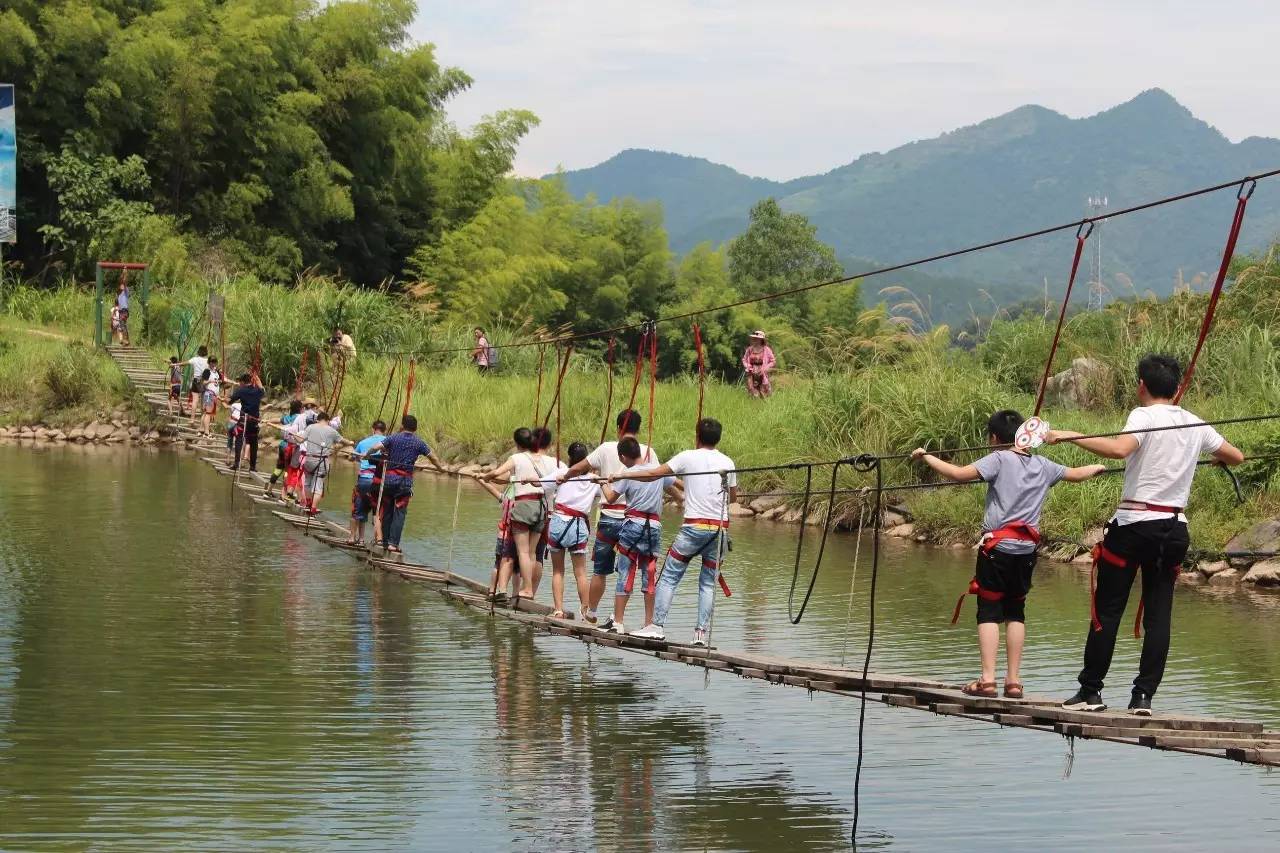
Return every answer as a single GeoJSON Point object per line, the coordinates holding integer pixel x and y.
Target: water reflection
{"type": "Point", "coordinates": [176, 672]}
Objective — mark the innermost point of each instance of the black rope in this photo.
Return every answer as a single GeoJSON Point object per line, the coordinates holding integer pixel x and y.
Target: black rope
{"type": "Point", "coordinates": [867, 463]}
{"type": "Point", "coordinates": [795, 572]}
{"type": "Point", "coordinates": [955, 253]}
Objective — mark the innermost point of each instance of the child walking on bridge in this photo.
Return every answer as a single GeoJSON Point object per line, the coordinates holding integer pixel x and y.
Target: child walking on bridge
{"type": "Point", "coordinates": [1017, 485]}
{"type": "Point", "coordinates": [641, 534]}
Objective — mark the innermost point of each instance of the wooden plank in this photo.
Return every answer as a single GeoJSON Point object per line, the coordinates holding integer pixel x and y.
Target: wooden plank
{"type": "Point", "coordinates": [751, 672]}
{"type": "Point", "coordinates": [1255, 756]}
{"type": "Point", "coordinates": [1020, 720]}
{"type": "Point", "coordinates": [1128, 721]}
{"type": "Point", "coordinates": [947, 708]}
{"type": "Point", "coordinates": [1206, 741]}
{"type": "Point", "coordinates": [900, 701]}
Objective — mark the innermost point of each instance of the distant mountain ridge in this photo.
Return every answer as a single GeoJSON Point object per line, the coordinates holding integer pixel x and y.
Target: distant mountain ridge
{"type": "Point", "coordinates": [1029, 168]}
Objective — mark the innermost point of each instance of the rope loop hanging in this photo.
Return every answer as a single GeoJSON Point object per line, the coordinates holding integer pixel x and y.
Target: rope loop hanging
{"type": "Point", "coordinates": [302, 373]}
{"type": "Point", "coordinates": [391, 375]}
{"type": "Point", "coordinates": [1243, 194]}
{"type": "Point", "coordinates": [1082, 234]}
{"type": "Point", "coordinates": [640, 354]}
{"type": "Point", "coordinates": [608, 403]}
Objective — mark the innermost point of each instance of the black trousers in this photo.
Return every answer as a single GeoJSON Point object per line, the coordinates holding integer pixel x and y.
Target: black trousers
{"type": "Point", "coordinates": [248, 435]}
{"type": "Point", "coordinates": [1156, 549]}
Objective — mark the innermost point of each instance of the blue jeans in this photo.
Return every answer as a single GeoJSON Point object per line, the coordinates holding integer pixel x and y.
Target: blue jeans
{"type": "Point", "coordinates": [642, 540]}
{"type": "Point", "coordinates": [607, 531]}
{"type": "Point", "coordinates": [396, 491]}
{"type": "Point", "coordinates": [690, 542]}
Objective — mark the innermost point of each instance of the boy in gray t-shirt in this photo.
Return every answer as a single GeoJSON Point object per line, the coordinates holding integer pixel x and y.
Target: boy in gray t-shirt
{"type": "Point", "coordinates": [1017, 486]}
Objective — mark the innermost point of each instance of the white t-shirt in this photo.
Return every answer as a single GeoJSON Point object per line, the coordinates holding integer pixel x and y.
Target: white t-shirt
{"type": "Point", "coordinates": [604, 459]}
{"type": "Point", "coordinates": [578, 494]}
{"type": "Point", "coordinates": [1160, 471]}
{"type": "Point", "coordinates": [199, 364]}
{"type": "Point", "coordinates": [529, 466]}
{"type": "Point", "coordinates": [214, 383]}
{"type": "Point", "coordinates": [704, 495]}
{"type": "Point", "coordinates": [236, 409]}
{"type": "Point", "coordinates": [549, 486]}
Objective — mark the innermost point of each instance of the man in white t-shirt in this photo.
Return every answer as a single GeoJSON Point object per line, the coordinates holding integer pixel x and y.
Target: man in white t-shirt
{"type": "Point", "coordinates": [605, 462]}
{"type": "Point", "coordinates": [710, 485]}
{"type": "Point", "coordinates": [199, 364]}
{"type": "Point", "coordinates": [1148, 530]}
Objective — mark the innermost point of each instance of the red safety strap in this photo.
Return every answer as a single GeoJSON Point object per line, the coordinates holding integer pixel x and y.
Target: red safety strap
{"type": "Point", "coordinates": [1242, 200]}
{"type": "Point", "coordinates": [570, 511]}
{"type": "Point", "coordinates": [408, 388]}
{"type": "Point", "coordinates": [614, 506]}
{"type": "Point", "coordinates": [608, 403]}
{"type": "Point", "coordinates": [1101, 554]}
{"type": "Point", "coordinates": [714, 522]}
{"type": "Point", "coordinates": [975, 589]}
{"type": "Point", "coordinates": [1143, 506]}
{"type": "Point", "coordinates": [529, 497]}
{"type": "Point", "coordinates": [702, 374]}
{"type": "Point", "coordinates": [1017, 531]}
{"type": "Point", "coordinates": [648, 516]}
{"type": "Point", "coordinates": [1082, 234]}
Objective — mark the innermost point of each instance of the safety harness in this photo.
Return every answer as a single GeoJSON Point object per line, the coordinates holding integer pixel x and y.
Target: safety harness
{"type": "Point", "coordinates": [633, 554]}
{"type": "Point", "coordinates": [1102, 554]}
{"type": "Point", "coordinates": [1017, 531]}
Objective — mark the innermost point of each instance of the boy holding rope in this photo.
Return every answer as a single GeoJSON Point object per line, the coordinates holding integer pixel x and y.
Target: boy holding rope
{"type": "Point", "coordinates": [1017, 486]}
{"type": "Point", "coordinates": [710, 485]}
{"type": "Point", "coordinates": [641, 533]}
{"type": "Point", "coordinates": [1148, 530]}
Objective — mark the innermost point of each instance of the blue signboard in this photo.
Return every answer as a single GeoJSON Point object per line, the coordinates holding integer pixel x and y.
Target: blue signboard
{"type": "Point", "coordinates": [8, 167]}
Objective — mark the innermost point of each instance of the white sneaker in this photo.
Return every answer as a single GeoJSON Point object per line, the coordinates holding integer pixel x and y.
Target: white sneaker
{"type": "Point", "coordinates": [650, 632]}
{"type": "Point", "coordinates": [699, 636]}
{"type": "Point", "coordinates": [617, 628]}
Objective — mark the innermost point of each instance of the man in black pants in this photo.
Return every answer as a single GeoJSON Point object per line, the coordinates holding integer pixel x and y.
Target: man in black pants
{"type": "Point", "coordinates": [249, 395]}
{"type": "Point", "coordinates": [1148, 530]}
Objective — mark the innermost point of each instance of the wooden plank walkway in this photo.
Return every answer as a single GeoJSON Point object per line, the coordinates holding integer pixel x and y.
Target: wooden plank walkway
{"type": "Point", "coordinates": [1236, 740]}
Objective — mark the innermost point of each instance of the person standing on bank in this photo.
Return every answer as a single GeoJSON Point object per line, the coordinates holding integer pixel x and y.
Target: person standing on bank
{"type": "Point", "coordinates": [122, 303]}
{"type": "Point", "coordinates": [758, 361]}
{"type": "Point", "coordinates": [480, 354]}
{"type": "Point", "coordinates": [1148, 531]}
{"type": "Point", "coordinates": [400, 452]}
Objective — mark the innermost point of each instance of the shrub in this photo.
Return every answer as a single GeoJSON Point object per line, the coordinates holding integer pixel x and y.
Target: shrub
{"type": "Point", "coordinates": [71, 376]}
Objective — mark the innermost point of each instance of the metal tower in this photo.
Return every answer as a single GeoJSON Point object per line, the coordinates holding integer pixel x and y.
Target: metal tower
{"type": "Point", "coordinates": [1097, 206]}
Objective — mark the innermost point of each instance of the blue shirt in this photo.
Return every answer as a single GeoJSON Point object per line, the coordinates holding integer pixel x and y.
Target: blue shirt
{"type": "Point", "coordinates": [362, 450]}
{"type": "Point", "coordinates": [122, 299]}
{"type": "Point", "coordinates": [402, 451]}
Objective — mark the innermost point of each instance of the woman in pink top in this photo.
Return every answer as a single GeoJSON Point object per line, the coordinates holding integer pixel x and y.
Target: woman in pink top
{"type": "Point", "coordinates": [758, 361]}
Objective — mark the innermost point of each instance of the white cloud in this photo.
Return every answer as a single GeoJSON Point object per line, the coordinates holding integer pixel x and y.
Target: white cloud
{"type": "Point", "coordinates": [784, 89]}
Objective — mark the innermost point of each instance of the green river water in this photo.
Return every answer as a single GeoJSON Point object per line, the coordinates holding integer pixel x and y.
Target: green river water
{"type": "Point", "coordinates": [181, 671]}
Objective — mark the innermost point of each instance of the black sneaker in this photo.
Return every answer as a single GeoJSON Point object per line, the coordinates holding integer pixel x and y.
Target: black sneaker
{"type": "Point", "coordinates": [1085, 700]}
{"type": "Point", "coordinates": [1140, 704]}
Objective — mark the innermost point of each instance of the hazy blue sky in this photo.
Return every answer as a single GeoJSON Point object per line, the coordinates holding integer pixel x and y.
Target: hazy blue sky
{"type": "Point", "coordinates": [781, 89]}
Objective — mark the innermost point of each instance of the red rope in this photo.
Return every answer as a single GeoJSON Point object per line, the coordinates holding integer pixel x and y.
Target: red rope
{"type": "Point", "coordinates": [1242, 201]}
{"type": "Point", "coordinates": [635, 382]}
{"type": "Point", "coordinates": [256, 370]}
{"type": "Point", "coordinates": [608, 403]}
{"type": "Point", "coordinates": [1082, 234]}
{"type": "Point", "coordinates": [653, 380]}
{"type": "Point", "coordinates": [408, 388]}
{"type": "Point", "coordinates": [537, 401]}
{"type": "Point", "coordinates": [391, 375]}
{"type": "Point", "coordinates": [702, 374]}
{"type": "Point", "coordinates": [320, 390]}
{"type": "Point", "coordinates": [563, 365]}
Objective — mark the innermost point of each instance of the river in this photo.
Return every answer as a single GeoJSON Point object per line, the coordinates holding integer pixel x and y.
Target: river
{"type": "Point", "coordinates": [179, 670]}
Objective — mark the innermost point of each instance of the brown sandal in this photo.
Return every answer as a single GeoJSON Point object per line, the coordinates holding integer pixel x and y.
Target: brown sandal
{"type": "Point", "coordinates": [977, 687]}
{"type": "Point", "coordinates": [1012, 690]}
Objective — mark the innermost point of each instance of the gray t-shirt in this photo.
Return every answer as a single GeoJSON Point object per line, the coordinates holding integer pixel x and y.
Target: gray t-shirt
{"type": "Point", "coordinates": [318, 440]}
{"type": "Point", "coordinates": [641, 495]}
{"type": "Point", "coordinates": [1017, 486]}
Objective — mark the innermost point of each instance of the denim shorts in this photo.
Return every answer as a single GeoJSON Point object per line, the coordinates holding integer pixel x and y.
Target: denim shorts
{"type": "Point", "coordinates": [568, 534]}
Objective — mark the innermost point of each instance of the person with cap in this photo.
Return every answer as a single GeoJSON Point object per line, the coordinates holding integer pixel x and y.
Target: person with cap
{"type": "Point", "coordinates": [758, 362]}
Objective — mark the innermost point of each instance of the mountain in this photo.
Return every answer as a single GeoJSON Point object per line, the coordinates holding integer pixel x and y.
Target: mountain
{"type": "Point", "coordinates": [1023, 170]}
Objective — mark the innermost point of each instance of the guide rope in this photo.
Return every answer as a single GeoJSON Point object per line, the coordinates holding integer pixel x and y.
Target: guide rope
{"type": "Point", "coordinates": [702, 372]}
{"type": "Point", "coordinates": [1082, 234]}
{"type": "Point", "coordinates": [608, 402]}
{"type": "Point", "coordinates": [867, 464]}
{"type": "Point", "coordinates": [1242, 201]}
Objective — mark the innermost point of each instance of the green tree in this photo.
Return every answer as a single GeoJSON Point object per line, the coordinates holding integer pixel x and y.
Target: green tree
{"type": "Point", "coordinates": [780, 251]}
